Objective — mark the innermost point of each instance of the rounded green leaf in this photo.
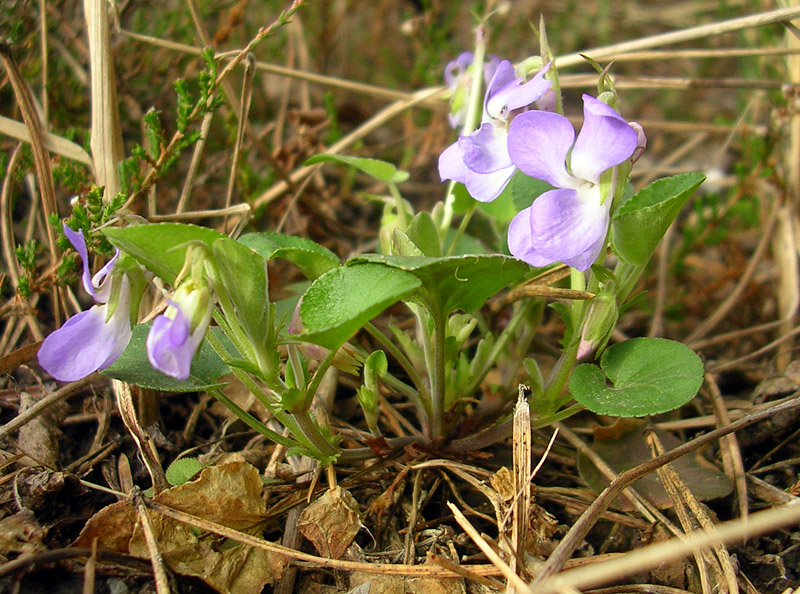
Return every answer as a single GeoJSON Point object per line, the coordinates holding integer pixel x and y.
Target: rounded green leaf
{"type": "Point", "coordinates": [160, 247]}
{"type": "Point", "coordinates": [640, 223]}
{"type": "Point", "coordinates": [647, 375]}
{"type": "Point", "coordinates": [456, 282]}
{"type": "Point", "coordinates": [342, 300]}
{"type": "Point", "coordinates": [310, 257]}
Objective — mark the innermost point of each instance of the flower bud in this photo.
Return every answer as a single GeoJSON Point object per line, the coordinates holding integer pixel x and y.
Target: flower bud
{"type": "Point", "coordinates": [600, 322]}
{"type": "Point", "coordinates": [176, 334]}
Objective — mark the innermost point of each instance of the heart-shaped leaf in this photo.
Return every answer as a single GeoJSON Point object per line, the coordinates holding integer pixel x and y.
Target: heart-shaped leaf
{"type": "Point", "coordinates": [378, 169]}
{"type": "Point", "coordinates": [342, 300]}
{"type": "Point", "coordinates": [310, 257]}
{"type": "Point", "coordinates": [160, 247]}
{"type": "Point", "coordinates": [648, 376]}
{"type": "Point", "coordinates": [640, 222]}
{"type": "Point", "coordinates": [134, 368]}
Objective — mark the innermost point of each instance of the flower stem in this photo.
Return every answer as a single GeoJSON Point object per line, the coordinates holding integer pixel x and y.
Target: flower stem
{"type": "Point", "coordinates": [474, 109]}
{"type": "Point", "coordinates": [438, 387]}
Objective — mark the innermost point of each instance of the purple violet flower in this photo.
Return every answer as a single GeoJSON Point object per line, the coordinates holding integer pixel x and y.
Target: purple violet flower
{"type": "Point", "coordinates": [481, 160]}
{"type": "Point", "coordinates": [176, 334]}
{"type": "Point", "coordinates": [458, 78]}
{"type": "Point", "coordinates": [92, 339]}
{"type": "Point", "coordinates": [568, 224]}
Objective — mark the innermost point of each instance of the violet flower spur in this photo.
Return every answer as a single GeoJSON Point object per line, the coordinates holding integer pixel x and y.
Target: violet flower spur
{"type": "Point", "coordinates": [93, 339]}
{"type": "Point", "coordinates": [481, 160]}
{"type": "Point", "coordinates": [568, 224]}
{"type": "Point", "coordinates": [176, 334]}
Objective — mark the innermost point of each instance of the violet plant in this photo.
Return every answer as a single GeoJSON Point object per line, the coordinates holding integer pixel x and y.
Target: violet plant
{"type": "Point", "coordinates": [512, 135]}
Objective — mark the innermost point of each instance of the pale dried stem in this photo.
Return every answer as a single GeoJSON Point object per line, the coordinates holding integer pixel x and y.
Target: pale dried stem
{"type": "Point", "coordinates": [320, 79]}
{"type": "Point", "coordinates": [582, 526]}
{"type": "Point", "coordinates": [144, 443]}
{"type": "Point", "coordinates": [41, 159]}
{"type": "Point", "coordinates": [106, 133]}
{"type": "Point", "coordinates": [672, 485]}
{"type": "Point", "coordinates": [681, 36]}
{"type": "Point", "coordinates": [52, 142]}
{"type": "Point", "coordinates": [731, 452]}
{"type": "Point", "coordinates": [513, 579]}
{"type": "Point", "coordinates": [162, 581]}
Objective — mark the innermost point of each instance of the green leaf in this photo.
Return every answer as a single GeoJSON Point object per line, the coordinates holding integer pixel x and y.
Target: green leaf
{"type": "Point", "coordinates": [160, 247]}
{"type": "Point", "coordinates": [244, 276]}
{"type": "Point", "coordinates": [423, 232]}
{"type": "Point", "coordinates": [648, 376]}
{"type": "Point", "coordinates": [525, 189]}
{"type": "Point", "coordinates": [456, 282]}
{"type": "Point", "coordinates": [310, 257]}
{"type": "Point", "coordinates": [344, 299]}
{"type": "Point", "coordinates": [181, 471]}
{"type": "Point", "coordinates": [640, 222]}
{"type": "Point", "coordinates": [134, 368]}
{"type": "Point", "coordinates": [378, 169]}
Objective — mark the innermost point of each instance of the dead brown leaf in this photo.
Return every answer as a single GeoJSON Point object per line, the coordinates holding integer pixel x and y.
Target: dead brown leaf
{"type": "Point", "coordinates": [331, 522]}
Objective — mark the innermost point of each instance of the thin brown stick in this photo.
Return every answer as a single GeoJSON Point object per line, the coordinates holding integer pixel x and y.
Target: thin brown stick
{"type": "Point", "coordinates": [683, 35]}
{"type": "Point", "coordinates": [731, 452]}
{"type": "Point", "coordinates": [41, 160]}
{"type": "Point", "coordinates": [582, 526]}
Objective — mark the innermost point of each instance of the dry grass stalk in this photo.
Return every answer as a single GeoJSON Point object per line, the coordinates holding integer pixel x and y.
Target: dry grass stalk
{"type": "Point", "coordinates": [520, 507]}
{"type": "Point", "coordinates": [731, 453]}
{"type": "Point", "coordinates": [144, 444]}
{"type": "Point", "coordinates": [52, 142]}
{"type": "Point", "coordinates": [162, 579]}
{"type": "Point", "coordinates": [682, 497]}
{"type": "Point", "coordinates": [582, 526]}
{"type": "Point", "coordinates": [41, 159]}
{"type": "Point", "coordinates": [106, 134]}
{"type": "Point", "coordinates": [655, 555]}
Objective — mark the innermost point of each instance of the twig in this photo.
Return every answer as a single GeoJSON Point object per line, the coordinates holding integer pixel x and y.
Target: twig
{"type": "Point", "coordinates": [582, 526]}
{"type": "Point", "coordinates": [44, 404]}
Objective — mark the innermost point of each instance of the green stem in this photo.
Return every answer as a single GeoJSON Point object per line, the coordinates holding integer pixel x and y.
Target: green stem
{"type": "Point", "coordinates": [438, 386]}
{"type": "Point", "coordinates": [500, 346]}
{"type": "Point", "coordinates": [398, 200]}
{"type": "Point", "coordinates": [316, 379]}
{"type": "Point", "coordinates": [474, 112]}
{"type": "Point", "coordinates": [400, 357]}
{"type": "Point", "coordinates": [251, 421]}
{"type": "Point", "coordinates": [462, 227]}
{"type": "Point", "coordinates": [312, 433]}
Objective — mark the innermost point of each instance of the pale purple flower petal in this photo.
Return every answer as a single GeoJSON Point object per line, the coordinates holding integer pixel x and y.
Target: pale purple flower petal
{"type": "Point", "coordinates": [451, 164]}
{"type": "Point", "coordinates": [605, 140]}
{"type": "Point", "coordinates": [538, 143]}
{"type": "Point", "coordinates": [508, 92]}
{"type": "Point", "coordinates": [485, 150]}
{"type": "Point", "coordinates": [171, 346]}
{"type": "Point", "coordinates": [454, 71]}
{"type": "Point", "coordinates": [484, 187]}
{"type": "Point", "coordinates": [88, 342]}
{"type": "Point", "coordinates": [561, 225]}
